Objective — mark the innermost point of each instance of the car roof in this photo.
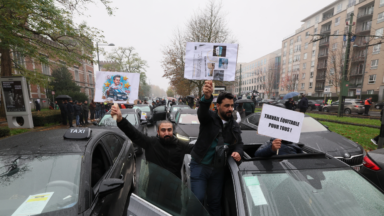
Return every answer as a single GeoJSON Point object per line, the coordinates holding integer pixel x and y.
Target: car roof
{"type": "Point", "coordinates": [46, 142]}
{"type": "Point", "coordinates": [180, 106]}
{"type": "Point", "coordinates": [141, 105]}
{"type": "Point", "coordinates": [187, 111]}
{"type": "Point", "coordinates": [292, 162]}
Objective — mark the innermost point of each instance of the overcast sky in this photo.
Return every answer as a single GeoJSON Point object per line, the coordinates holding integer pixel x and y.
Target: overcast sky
{"type": "Point", "coordinates": [148, 25]}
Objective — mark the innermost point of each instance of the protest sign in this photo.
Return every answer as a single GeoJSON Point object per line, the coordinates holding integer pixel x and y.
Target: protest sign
{"type": "Point", "coordinates": [280, 123]}
{"type": "Point", "coordinates": [210, 61]}
{"type": "Point", "coordinates": [116, 87]}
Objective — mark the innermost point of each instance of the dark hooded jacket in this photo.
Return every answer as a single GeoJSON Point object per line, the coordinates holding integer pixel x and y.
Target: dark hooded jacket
{"type": "Point", "coordinates": [168, 155]}
{"type": "Point", "coordinates": [286, 148]}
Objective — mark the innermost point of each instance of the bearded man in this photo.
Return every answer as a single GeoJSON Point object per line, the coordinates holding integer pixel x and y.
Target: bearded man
{"type": "Point", "coordinates": [219, 136]}
{"type": "Point", "coordinates": [165, 150]}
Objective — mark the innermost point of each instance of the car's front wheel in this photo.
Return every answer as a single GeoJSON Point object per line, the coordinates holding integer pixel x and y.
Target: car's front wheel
{"type": "Point", "coordinates": [347, 111]}
{"type": "Point", "coordinates": [325, 110]}
{"type": "Point", "coordinates": [377, 107]}
{"type": "Point", "coordinates": [310, 108]}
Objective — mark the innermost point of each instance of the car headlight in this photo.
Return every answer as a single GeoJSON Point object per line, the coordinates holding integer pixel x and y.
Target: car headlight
{"type": "Point", "coordinates": [182, 137]}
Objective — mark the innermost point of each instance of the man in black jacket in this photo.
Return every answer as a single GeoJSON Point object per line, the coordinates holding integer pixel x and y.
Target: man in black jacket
{"type": "Point", "coordinates": [164, 150]}
{"type": "Point", "coordinates": [85, 111]}
{"type": "Point", "coordinates": [63, 109]}
{"type": "Point", "coordinates": [303, 104]}
{"type": "Point", "coordinates": [216, 129]}
{"type": "Point", "coordinates": [71, 112]}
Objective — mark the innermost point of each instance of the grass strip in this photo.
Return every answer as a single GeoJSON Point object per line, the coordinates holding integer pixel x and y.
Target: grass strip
{"type": "Point", "coordinates": [372, 122]}
{"type": "Point", "coordinates": [18, 131]}
{"type": "Point", "coordinates": [358, 134]}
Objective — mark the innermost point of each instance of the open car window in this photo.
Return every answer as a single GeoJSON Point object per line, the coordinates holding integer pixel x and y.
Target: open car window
{"type": "Point", "coordinates": [107, 120]}
{"type": "Point", "coordinates": [163, 189]}
{"type": "Point", "coordinates": [189, 119]}
{"type": "Point", "coordinates": [142, 108]}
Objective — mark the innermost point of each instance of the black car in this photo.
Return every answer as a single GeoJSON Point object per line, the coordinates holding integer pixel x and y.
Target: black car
{"type": "Point", "coordinates": [313, 134]}
{"type": "Point", "coordinates": [187, 124]}
{"type": "Point", "coordinates": [171, 113]}
{"type": "Point", "coordinates": [133, 116]}
{"type": "Point", "coordinates": [379, 105]}
{"type": "Point", "coordinates": [159, 114]}
{"type": "Point", "coordinates": [373, 166]}
{"type": "Point", "coordinates": [312, 183]}
{"type": "Point", "coordinates": [76, 171]}
{"type": "Point", "coordinates": [147, 109]}
{"type": "Point", "coordinates": [266, 101]}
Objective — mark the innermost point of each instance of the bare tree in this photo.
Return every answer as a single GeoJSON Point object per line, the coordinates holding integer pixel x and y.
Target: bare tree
{"type": "Point", "coordinates": [272, 77]}
{"type": "Point", "coordinates": [208, 25]}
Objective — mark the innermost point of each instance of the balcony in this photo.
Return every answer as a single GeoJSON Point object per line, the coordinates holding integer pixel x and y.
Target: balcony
{"type": "Point", "coordinates": [319, 88]}
{"type": "Point", "coordinates": [363, 29]}
{"type": "Point", "coordinates": [320, 77]}
{"type": "Point", "coordinates": [359, 44]}
{"type": "Point", "coordinates": [357, 72]}
{"type": "Point", "coordinates": [324, 43]}
{"type": "Point", "coordinates": [358, 58]}
{"type": "Point", "coordinates": [325, 30]}
{"type": "Point", "coordinates": [327, 16]}
{"type": "Point", "coordinates": [354, 84]}
{"type": "Point", "coordinates": [321, 66]}
{"type": "Point", "coordinates": [323, 54]}
{"type": "Point", "coordinates": [364, 15]}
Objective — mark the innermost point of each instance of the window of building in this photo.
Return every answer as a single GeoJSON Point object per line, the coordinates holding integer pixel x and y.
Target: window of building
{"type": "Point", "coordinates": [45, 67]}
{"type": "Point", "coordinates": [307, 34]}
{"type": "Point", "coordinates": [312, 63]}
{"type": "Point", "coordinates": [332, 71]}
{"type": "Point", "coordinates": [283, 61]}
{"type": "Point", "coordinates": [315, 30]}
{"type": "Point", "coordinates": [337, 21]}
{"type": "Point", "coordinates": [317, 19]}
{"type": "Point", "coordinates": [379, 33]}
{"type": "Point", "coordinates": [290, 60]}
{"type": "Point", "coordinates": [291, 42]}
{"type": "Point", "coordinates": [305, 56]}
{"type": "Point", "coordinates": [336, 33]}
{"type": "Point", "coordinates": [310, 84]}
{"type": "Point", "coordinates": [334, 46]}
{"type": "Point", "coordinates": [283, 71]}
{"type": "Point", "coordinates": [302, 85]}
{"type": "Point", "coordinates": [374, 63]}
{"type": "Point", "coordinates": [381, 3]}
{"type": "Point", "coordinates": [351, 3]}
{"type": "Point", "coordinates": [380, 17]}
{"type": "Point", "coordinates": [90, 79]}
{"type": "Point", "coordinates": [19, 59]}
{"type": "Point", "coordinates": [305, 45]}
{"type": "Point", "coordinates": [330, 82]}
{"type": "Point", "coordinates": [303, 76]}
{"type": "Point", "coordinates": [298, 38]}
{"type": "Point", "coordinates": [290, 51]}
{"type": "Point", "coordinates": [370, 91]}
{"type": "Point", "coordinates": [372, 78]}
{"type": "Point", "coordinates": [285, 44]}
{"type": "Point", "coordinates": [77, 78]}
{"type": "Point", "coordinates": [265, 61]}
{"type": "Point", "coordinates": [285, 53]}
{"type": "Point", "coordinates": [304, 65]}
{"type": "Point", "coordinates": [338, 7]}
{"type": "Point", "coordinates": [296, 58]}
{"type": "Point", "coordinates": [313, 53]}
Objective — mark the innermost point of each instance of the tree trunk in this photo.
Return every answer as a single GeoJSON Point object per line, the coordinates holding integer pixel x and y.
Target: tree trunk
{"type": "Point", "coordinates": [6, 70]}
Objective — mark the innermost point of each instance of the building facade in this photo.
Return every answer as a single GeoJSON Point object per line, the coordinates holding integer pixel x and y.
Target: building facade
{"type": "Point", "coordinates": [313, 64]}
{"type": "Point", "coordinates": [261, 74]}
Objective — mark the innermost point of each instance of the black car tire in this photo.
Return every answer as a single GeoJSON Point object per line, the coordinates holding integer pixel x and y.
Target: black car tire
{"type": "Point", "coordinates": [347, 111]}
{"type": "Point", "coordinates": [325, 110]}
{"type": "Point", "coordinates": [377, 107]}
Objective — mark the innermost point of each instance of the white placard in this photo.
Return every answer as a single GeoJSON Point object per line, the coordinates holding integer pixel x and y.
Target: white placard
{"type": "Point", "coordinates": [210, 61]}
{"type": "Point", "coordinates": [116, 87]}
{"type": "Point", "coordinates": [280, 123]}
{"type": "Point", "coordinates": [143, 116]}
{"type": "Point", "coordinates": [34, 204]}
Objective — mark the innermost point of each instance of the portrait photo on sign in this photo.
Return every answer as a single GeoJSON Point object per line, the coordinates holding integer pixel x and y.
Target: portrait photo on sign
{"type": "Point", "coordinates": [116, 87]}
{"type": "Point", "coordinates": [220, 51]}
{"type": "Point", "coordinates": [223, 63]}
{"type": "Point", "coordinates": [211, 67]}
{"type": "Point", "coordinates": [218, 75]}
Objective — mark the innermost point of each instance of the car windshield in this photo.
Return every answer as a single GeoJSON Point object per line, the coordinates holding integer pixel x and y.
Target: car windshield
{"type": "Point", "coordinates": [311, 125]}
{"type": "Point", "coordinates": [163, 189]}
{"type": "Point", "coordinates": [107, 120]}
{"type": "Point", "coordinates": [310, 192]}
{"type": "Point", "coordinates": [189, 119]}
{"type": "Point", "coordinates": [34, 184]}
{"type": "Point", "coordinates": [175, 109]}
{"type": "Point", "coordinates": [142, 108]}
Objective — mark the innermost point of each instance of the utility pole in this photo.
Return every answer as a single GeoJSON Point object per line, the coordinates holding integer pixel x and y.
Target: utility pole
{"type": "Point", "coordinates": [344, 83]}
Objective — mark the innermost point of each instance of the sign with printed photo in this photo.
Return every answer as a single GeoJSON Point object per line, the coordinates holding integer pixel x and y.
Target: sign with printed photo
{"type": "Point", "coordinates": [116, 87]}
{"type": "Point", "coordinates": [210, 61]}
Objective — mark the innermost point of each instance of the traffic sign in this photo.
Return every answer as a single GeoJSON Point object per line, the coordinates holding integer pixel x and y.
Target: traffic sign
{"type": "Point", "coordinates": [358, 91]}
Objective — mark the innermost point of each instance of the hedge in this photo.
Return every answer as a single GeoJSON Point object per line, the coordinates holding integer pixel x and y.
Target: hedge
{"type": "Point", "coordinates": [336, 98]}
{"type": "Point", "coordinates": [4, 131]}
{"type": "Point", "coordinates": [46, 117]}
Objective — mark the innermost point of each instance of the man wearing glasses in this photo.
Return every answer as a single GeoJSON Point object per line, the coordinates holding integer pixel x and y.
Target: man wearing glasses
{"type": "Point", "coordinates": [164, 150]}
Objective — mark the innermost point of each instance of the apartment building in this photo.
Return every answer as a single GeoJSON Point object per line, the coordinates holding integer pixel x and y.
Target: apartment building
{"type": "Point", "coordinates": [261, 74]}
{"type": "Point", "coordinates": [313, 64]}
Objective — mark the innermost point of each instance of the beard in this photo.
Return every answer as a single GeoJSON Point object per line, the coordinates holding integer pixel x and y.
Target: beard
{"type": "Point", "coordinates": [226, 115]}
{"type": "Point", "coordinates": [166, 140]}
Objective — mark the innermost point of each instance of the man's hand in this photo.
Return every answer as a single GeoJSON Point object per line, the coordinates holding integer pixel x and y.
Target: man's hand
{"type": "Point", "coordinates": [208, 89]}
{"type": "Point", "coordinates": [236, 156]}
{"type": "Point", "coordinates": [115, 110]}
{"type": "Point", "coordinates": [276, 144]}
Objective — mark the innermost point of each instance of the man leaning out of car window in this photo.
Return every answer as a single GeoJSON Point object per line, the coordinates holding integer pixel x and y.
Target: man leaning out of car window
{"type": "Point", "coordinates": [270, 148]}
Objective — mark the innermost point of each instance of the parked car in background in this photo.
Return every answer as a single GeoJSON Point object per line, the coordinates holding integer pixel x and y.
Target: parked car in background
{"type": "Point", "coordinates": [379, 105]}
{"type": "Point", "coordinates": [313, 134]}
{"type": "Point", "coordinates": [171, 113]}
{"type": "Point", "coordinates": [373, 167]}
{"type": "Point", "coordinates": [266, 101]}
{"type": "Point", "coordinates": [187, 124]}
{"type": "Point", "coordinates": [349, 107]}
{"type": "Point", "coordinates": [147, 109]}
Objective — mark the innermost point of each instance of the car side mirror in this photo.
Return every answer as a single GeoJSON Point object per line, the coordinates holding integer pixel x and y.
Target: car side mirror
{"type": "Point", "coordinates": [173, 121]}
{"type": "Point", "coordinates": [94, 123]}
{"type": "Point", "coordinates": [144, 122]}
{"type": "Point", "coordinates": [109, 186]}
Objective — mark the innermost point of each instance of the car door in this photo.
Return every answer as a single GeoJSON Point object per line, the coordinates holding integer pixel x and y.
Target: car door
{"type": "Point", "coordinates": [159, 113]}
{"type": "Point", "coordinates": [334, 107]}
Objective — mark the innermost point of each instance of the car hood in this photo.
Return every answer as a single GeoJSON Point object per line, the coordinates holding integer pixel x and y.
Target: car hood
{"type": "Point", "coordinates": [188, 130]}
{"type": "Point", "coordinates": [331, 143]}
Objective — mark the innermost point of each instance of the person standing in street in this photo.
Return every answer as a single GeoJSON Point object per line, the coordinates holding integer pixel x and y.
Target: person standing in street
{"type": "Point", "coordinates": [329, 102]}
{"type": "Point", "coordinates": [71, 111]}
{"type": "Point", "coordinates": [102, 109]}
{"type": "Point", "coordinates": [37, 105]}
{"type": "Point", "coordinates": [85, 111]}
{"type": "Point", "coordinates": [254, 100]}
{"type": "Point", "coordinates": [303, 104]}
{"type": "Point", "coordinates": [98, 110]}
{"type": "Point", "coordinates": [92, 109]}
{"type": "Point", "coordinates": [289, 104]}
{"type": "Point", "coordinates": [249, 107]}
{"type": "Point", "coordinates": [77, 112]}
{"type": "Point", "coordinates": [181, 102]}
{"type": "Point", "coordinates": [367, 106]}
{"type": "Point", "coordinates": [217, 130]}
{"type": "Point", "coordinates": [63, 110]}
{"type": "Point", "coordinates": [81, 113]}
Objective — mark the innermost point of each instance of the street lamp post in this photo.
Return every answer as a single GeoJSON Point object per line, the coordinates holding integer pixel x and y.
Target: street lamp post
{"type": "Point", "coordinates": [97, 49]}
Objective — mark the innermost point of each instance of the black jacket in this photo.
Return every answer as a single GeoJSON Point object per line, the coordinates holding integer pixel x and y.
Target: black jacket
{"type": "Point", "coordinates": [168, 156]}
{"type": "Point", "coordinates": [210, 124]}
{"type": "Point", "coordinates": [303, 104]}
{"type": "Point", "coordinates": [77, 109]}
{"type": "Point", "coordinates": [289, 104]}
{"type": "Point", "coordinates": [63, 108]}
{"type": "Point", "coordinates": [85, 107]}
{"type": "Point", "coordinates": [70, 107]}
{"type": "Point", "coordinates": [286, 148]}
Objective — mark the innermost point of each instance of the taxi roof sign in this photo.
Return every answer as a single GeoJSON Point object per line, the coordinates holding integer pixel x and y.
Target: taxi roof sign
{"type": "Point", "coordinates": [78, 133]}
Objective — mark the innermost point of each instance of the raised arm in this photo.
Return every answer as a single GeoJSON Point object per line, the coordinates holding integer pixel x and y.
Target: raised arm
{"type": "Point", "coordinates": [132, 133]}
{"type": "Point", "coordinates": [205, 102]}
